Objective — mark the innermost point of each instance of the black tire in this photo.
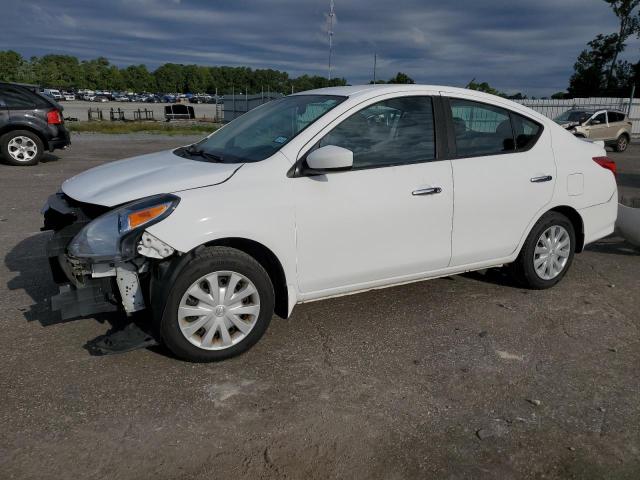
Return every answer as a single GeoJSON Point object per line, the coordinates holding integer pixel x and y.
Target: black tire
{"type": "Point", "coordinates": [4, 147]}
{"type": "Point", "coordinates": [622, 143]}
{"type": "Point", "coordinates": [523, 271]}
{"type": "Point", "coordinates": [215, 259]}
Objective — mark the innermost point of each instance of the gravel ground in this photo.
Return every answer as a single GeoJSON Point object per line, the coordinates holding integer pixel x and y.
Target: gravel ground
{"type": "Point", "coordinates": [461, 377]}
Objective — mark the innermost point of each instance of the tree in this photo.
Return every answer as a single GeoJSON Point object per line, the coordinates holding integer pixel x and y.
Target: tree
{"type": "Point", "coordinates": [401, 78]}
{"type": "Point", "coordinates": [138, 79]}
{"type": "Point", "coordinates": [170, 77]}
{"type": "Point", "coordinates": [484, 87]}
{"type": "Point", "coordinates": [65, 71]}
{"type": "Point", "coordinates": [629, 25]}
{"type": "Point", "coordinates": [10, 64]}
{"type": "Point", "coordinates": [589, 78]}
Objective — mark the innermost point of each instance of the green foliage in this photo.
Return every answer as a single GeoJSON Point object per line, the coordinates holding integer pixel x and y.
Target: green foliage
{"type": "Point", "coordinates": [163, 128]}
{"type": "Point", "coordinates": [64, 71]}
{"type": "Point", "coordinates": [484, 87]}
{"type": "Point", "coordinates": [401, 78]}
{"type": "Point", "coordinates": [597, 71]}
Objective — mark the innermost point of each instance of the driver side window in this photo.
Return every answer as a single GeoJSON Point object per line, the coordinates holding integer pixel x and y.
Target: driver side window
{"type": "Point", "coordinates": [392, 132]}
{"type": "Point", "coordinates": [601, 118]}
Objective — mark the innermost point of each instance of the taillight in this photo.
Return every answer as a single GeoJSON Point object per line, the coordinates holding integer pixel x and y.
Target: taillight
{"type": "Point", "coordinates": [606, 162]}
{"type": "Point", "coordinates": [54, 117]}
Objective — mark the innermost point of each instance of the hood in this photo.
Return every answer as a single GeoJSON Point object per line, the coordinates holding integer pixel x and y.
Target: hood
{"type": "Point", "coordinates": [126, 180]}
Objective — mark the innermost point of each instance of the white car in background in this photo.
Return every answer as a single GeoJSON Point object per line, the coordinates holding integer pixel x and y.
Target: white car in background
{"type": "Point", "coordinates": [325, 193]}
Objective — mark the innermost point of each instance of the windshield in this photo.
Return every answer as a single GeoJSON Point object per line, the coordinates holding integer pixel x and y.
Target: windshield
{"type": "Point", "coordinates": [261, 132]}
{"type": "Point", "coordinates": [573, 116]}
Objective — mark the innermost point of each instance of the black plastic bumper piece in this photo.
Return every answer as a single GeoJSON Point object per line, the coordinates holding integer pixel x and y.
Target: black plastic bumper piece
{"type": "Point", "coordinates": [95, 297]}
{"type": "Point", "coordinates": [61, 141]}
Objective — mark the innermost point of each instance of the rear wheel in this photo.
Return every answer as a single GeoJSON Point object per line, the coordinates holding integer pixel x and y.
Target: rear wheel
{"type": "Point", "coordinates": [546, 254]}
{"type": "Point", "coordinates": [219, 307]}
{"type": "Point", "coordinates": [21, 147]}
{"type": "Point", "coordinates": [622, 143]}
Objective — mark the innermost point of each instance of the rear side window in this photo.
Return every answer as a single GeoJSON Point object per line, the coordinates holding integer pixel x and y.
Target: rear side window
{"type": "Point", "coordinates": [616, 117]}
{"type": "Point", "coordinates": [480, 129]}
{"type": "Point", "coordinates": [526, 131]}
{"type": "Point", "coordinates": [19, 99]}
{"type": "Point", "coordinates": [392, 132]}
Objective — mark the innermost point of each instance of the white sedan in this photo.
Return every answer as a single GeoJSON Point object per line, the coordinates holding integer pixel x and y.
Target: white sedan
{"type": "Point", "coordinates": [324, 193]}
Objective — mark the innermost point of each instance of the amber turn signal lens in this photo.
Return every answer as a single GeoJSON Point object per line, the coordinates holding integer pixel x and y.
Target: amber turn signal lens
{"type": "Point", "coordinates": [141, 217]}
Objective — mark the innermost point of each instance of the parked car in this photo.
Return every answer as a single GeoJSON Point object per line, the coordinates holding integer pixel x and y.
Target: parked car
{"type": "Point", "coordinates": [121, 98]}
{"type": "Point", "coordinates": [67, 96]}
{"type": "Point", "coordinates": [100, 98]}
{"type": "Point", "coordinates": [611, 126]}
{"type": "Point", "coordinates": [88, 97]}
{"type": "Point", "coordinates": [55, 94]}
{"type": "Point", "coordinates": [30, 123]}
{"type": "Point", "coordinates": [324, 193]}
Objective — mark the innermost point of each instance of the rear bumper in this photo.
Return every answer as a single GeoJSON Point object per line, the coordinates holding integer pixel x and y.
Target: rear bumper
{"type": "Point", "coordinates": [599, 220]}
{"type": "Point", "coordinates": [63, 140]}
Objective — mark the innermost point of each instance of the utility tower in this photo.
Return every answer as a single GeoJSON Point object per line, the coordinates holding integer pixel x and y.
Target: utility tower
{"type": "Point", "coordinates": [330, 33]}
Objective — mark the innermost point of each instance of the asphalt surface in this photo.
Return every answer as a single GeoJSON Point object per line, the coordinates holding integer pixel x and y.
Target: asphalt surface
{"type": "Point", "coordinates": [461, 377]}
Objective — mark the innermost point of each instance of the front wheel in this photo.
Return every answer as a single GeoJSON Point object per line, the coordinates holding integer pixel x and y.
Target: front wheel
{"type": "Point", "coordinates": [219, 307]}
{"type": "Point", "coordinates": [622, 143]}
{"type": "Point", "coordinates": [547, 252]}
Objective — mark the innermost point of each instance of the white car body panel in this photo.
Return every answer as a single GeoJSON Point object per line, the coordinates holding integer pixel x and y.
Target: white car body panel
{"type": "Point", "coordinates": [350, 231]}
{"type": "Point", "coordinates": [163, 172]}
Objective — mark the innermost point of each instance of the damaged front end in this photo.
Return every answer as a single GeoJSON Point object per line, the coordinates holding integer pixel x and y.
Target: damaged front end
{"type": "Point", "coordinates": [101, 257]}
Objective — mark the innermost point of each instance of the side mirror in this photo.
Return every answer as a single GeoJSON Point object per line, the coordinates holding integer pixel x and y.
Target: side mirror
{"type": "Point", "coordinates": [329, 158]}
{"type": "Point", "coordinates": [595, 122]}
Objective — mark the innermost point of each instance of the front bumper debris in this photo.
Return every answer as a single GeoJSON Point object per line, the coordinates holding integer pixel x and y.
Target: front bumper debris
{"type": "Point", "coordinates": [86, 289]}
{"type": "Point", "coordinates": [90, 299]}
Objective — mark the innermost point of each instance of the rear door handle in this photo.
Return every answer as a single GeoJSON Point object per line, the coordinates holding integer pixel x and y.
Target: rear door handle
{"type": "Point", "coordinates": [544, 178]}
{"type": "Point", "coordinates": [426, 191]}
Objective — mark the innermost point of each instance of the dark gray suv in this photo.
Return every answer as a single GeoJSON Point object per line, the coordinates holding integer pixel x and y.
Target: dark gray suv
{"type": "Point", "coordinates": [30, 123]}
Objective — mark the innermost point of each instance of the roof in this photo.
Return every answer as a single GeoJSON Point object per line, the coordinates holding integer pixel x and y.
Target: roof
{"type": "Point", "coordinates": [358, 90]}
{"type": "Point", "coordinates": [370, 91]}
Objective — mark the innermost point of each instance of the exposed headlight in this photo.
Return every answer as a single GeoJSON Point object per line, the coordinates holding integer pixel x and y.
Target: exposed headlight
{"type": "Point", "coordinates": [113, 236]}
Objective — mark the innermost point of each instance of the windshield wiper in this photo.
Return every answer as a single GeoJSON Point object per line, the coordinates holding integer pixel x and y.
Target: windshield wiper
{"type": "Point", "coordinates": [194, 152]}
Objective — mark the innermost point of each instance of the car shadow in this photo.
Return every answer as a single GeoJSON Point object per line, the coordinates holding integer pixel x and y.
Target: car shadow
{"type": "Point", "coordinates": [29, 262]}
{"type": "Point", "coordinates": [49, 157]}
{"type": "Point", "coordinates": [613, 246]}
{"type": "Point", "coordinates": [499, 276]}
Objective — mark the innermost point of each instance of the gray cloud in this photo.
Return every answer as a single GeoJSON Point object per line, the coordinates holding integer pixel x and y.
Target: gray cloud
{"type": "Point", "coordinates": [514, 45]}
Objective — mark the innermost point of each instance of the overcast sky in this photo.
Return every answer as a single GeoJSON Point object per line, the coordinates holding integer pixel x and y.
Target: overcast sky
{"type": "Point", "coordinates": [527, 46]}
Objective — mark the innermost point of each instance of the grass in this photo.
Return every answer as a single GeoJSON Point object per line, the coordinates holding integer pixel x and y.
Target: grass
{"type": "Point", "coordinates": [164, 128]}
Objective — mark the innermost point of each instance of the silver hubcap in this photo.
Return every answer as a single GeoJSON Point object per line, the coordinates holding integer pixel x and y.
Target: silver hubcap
{"type": "Point", "coordinates": [22, 149]}
{"type": "Point", "coordinates": [552, 252]}
{"type": "Point", "coordinates": [219, 310]}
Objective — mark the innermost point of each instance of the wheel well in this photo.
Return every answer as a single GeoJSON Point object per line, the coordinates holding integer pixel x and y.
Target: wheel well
{"type": "Point", "coordinates": [10, 128]}
{"type": "Point", "coordinates": [625, 134]}
{"type": "Point", "coordinates": [576, 220]}
{"type": "Point", "coordinates": [269, 262]}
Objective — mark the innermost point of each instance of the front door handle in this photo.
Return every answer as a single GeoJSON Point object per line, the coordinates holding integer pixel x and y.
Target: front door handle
{"type": "Point", "coordinates": [544, 178]}
{"type": "Point", "coordinates": [426, 191]}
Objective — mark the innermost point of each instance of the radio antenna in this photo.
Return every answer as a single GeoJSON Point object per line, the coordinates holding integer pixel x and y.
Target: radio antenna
{"type": "Point", "coordinates": [330, 34]}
